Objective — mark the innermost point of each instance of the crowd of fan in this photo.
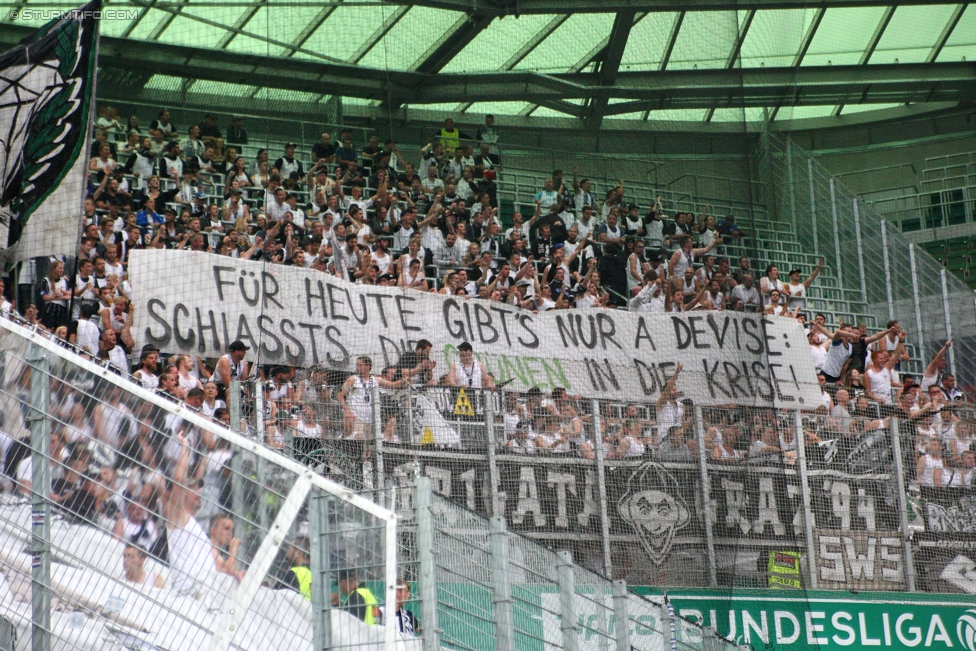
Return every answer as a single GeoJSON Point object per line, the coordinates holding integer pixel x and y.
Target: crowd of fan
{"type": "Point", "coordinates": [373, 217]}
{"type": "Point", "coordinates": [429, 226]}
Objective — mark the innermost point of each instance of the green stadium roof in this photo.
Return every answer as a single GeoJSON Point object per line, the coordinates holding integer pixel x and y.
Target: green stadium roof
{"type": "Point", "coordinates": [697, 60]}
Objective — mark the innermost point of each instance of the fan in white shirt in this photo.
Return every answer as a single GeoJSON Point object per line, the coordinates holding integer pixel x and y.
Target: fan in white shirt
{"type": "Point", "coordinates": [881, 373]}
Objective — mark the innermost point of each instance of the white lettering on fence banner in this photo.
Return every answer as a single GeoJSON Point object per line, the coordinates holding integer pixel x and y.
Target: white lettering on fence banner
{"type": "Point", "coordinates": [198, 303]}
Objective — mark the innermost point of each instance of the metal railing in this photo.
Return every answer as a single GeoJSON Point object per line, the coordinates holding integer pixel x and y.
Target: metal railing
{"type": "Point", "coordinates": [895, 279]}
{"type": "Point", "coordinates": [626, 490]}
{"type": "Point", "coordinates": [151, 524]}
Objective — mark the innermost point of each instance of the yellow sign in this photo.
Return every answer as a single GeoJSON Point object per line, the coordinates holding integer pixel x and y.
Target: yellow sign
{"type": "Point", "coordinates": [783, 570]}
{"type": "Point", "coordinates": [428, 437]}
{"type": "Point", "coordinates": [463, 405]}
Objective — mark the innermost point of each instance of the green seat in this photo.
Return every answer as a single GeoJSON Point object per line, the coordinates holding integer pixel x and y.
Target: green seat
{"type": "Point", "coordinates": [958, 264]}
{"type": "Point", "coordinates": [910, 225]}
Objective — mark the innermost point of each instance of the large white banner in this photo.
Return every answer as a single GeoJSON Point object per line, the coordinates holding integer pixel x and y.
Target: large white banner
{"type": "Point", "coordinates": [199, 303]}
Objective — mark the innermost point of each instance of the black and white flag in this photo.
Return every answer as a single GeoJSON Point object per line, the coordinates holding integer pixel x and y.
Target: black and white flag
{"type": "Point", "coordinates": [46, 89]}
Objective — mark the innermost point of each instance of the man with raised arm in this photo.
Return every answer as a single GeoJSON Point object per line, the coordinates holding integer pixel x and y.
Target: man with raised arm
{"type": "Point", "coordinates": [190, 553]}
{"type": "Point", "coordinates": [881, 373]}
{"type": "Point", "coordinates": [936, 368]}
{"type": "Point", "coordinates": [686, 255]}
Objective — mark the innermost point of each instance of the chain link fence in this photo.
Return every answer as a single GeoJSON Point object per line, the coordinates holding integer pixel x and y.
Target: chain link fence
{"type": "Point", "coordinates": [130, 519]}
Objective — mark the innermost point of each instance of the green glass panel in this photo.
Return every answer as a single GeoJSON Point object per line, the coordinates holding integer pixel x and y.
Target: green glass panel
{"type": "Point", "coordinates": [186, 31]}
{"type": "Point", "coordinates": [648, 39]}
{"type": "Point", "coordinates": [705, 40]}
{"type": "Point", "coordinates": [284, 95]}
{"type": "Point", "coordinates": [117, 27]}
{"type": "Point", "coordinates": [250, 45]}
{"type": "Point", "coordinates": [803, 112]}
{"type": "Point", "coordinates": [635, 115]}
{"type": "Point", "coordinates": [678, 115]}
{"type": "Point", "coordinates": [222, 88]}
{"type": "Point", "coordinates": [546, 112]}
{"type": "Point", "coordinates": [493, 47]}
{"type": "Point", "coordinates": [843, 36]}
{"type": "Point", "coordinates": [407, 42]}
{"type": "Point", "coordinates": [497, 108]}
{"type": "Point", "coordinates": [961, 45]}
{"type": "Point", "coordinates": [282, 24]}
{"type": "Point", "coordinates": [751, 114]}
{"type": "Point", "coordinates": [850, 109]}
{"type": "Point", "coordinates": [911, 34]}
{"type": "Point", "coordinates": [566, 46]}
{"type": "Point", "coordinates": [447, 108]}
{"type": "Point", "coordinates": [774, 37]}
{"type": "Point", "coordinates": [149, 22]}
{"type": "Point", "coordinates": [345, 30]}
{"type": "Point", "coordinates": [164, 82]}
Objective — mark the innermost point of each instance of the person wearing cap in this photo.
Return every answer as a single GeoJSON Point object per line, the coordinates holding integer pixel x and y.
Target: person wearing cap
{"type": "Point", "coordinates": [288, 163]}
{"type": "Point", "coordinates": [199, 205]}
{"type": "Point", "coordinates": [232, 366]}
{"type": "Point", "coordinates": [171, 164]}
{"type": "Point", "coordinates": [235, 208]}
{"type": "Point", "coordinates": [208, 129]}
{"type": "Point", "coordinates": [356, 398]}
{"type": "Point", "coordinates": [797, 291]}
{"type": "Point", "coordinates": [523, 440]}
{"type": "Point", "coordinates": [469, 372]}
{"type": "Point", "coordinates": [355, 599]}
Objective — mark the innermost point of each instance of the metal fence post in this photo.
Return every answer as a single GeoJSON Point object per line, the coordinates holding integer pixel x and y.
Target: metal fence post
{"type": "Point", "coordinates": [917, 301]}
{"type": "Point", "coordinates": [813, 206]}
{"type": "Point", "coordinates": [40, 548]}
{"type": "Point", "coordinates": [320, 566]}
{"type": "Point", "coordinates": [791, 185]}
{"type": "Point", "coordinates": [237, 461]}
{"type": "Point", "coordinates": [948, 319]}
{"type": "Point", "coordinates": [378, 477]}
{"type": "Point", "coordinates": [833, 217]}
{"type": "Point", "coordinates": [887, 270]}
{"type": "Point", "coordinates": [601, 487]}
{"type": "Point", "coordinates": [501, 585]}
{"type": "Point", "coordinates": [262, 503]}
{"type": "Point", "coordinates": [428, 569]}
{"type": "Point", "coordinates": [899, 479]}
{"type": "Point", "coordinates": [567, 601]}
{"type": "Point", "coordinates": [667, 615]}
{"type": "Point", "coordinates": [860, 250]}
{"type": "Point", "coordinates": [801, 454]}
{"type": "Point", "coordinates": [621, 620]}
{"type": "Point", "coordinates": [706, 495]}
{"type": "Point", "coordinates": [493, 478]}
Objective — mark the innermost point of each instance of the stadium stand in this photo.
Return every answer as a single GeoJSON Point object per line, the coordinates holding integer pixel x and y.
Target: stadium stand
{"type": "Point", "coordinates": [182, 467]}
